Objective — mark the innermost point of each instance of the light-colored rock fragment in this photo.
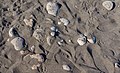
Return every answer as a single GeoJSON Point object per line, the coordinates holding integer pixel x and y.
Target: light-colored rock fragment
{"type": "Point", "coordinates": [32, 49]}
{"type": "Point", "coordinates": [117, 65]}
{"type": "Point", "coordinates": [59, 23]}
{"type": "Point", "coordinates": [64, 21]}
{"type": "Point", "coordinates": [39, 57]}
{"type": "Point", "coordinates": [66, 67]}
{"type": "Point", "coordinates": [22, 52]}
{"type": "Point", "coordinates": [18, 43]}
{"type": "Point", "coordinates": [92, 40]}
{"type": "Point", "coordinates": [52, 33]}
{"type": "Point", "coordinates": [34, 67]}
{"type": "Point", "coordinates": [52, 8]}
{"type": "Point", "coordinates": [38, 34]}
{"type": "Point", "coordinates": [82, 40]}
{"type": "Point", "coordinates": [29, 22]}
{"type": "Point", "coordinates": [108, 5]}
{"type": "Point", "coordinates": [53, 28]}
{"type": "Point", "coordinates": [60, 42]}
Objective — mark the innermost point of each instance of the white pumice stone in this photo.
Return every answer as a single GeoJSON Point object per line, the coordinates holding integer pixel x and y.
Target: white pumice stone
{"type": "Point", "coordinates": [53, 28]}
{"type": "Point", "coordinates": [117, 65]}
{"type": "Point", "coordinates": [64, 21]}
{"type": "Point", "coordinates": [82, 40]}
{"type": "Point", "coordinates": [92, 40]}
{"type": "Point", "coordinates": [52, 8]}
{"type": "Point", "coordinates": [108, 5]}
{"type": "Point", "coordinates": [52, 33]}
{"type": "Point", "coordinates": [66, 67]}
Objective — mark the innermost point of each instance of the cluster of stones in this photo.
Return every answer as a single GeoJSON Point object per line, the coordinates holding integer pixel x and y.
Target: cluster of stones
{"type": "Point", "coordinates": [52, 9]}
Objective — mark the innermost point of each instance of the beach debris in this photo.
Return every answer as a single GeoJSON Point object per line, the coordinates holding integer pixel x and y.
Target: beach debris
{"type": "Point", "coordinates": [82, 40]}
{"type": "Point", "coordinates": [12, 32]}
{"type": "Point", "coordinates": [52, 8]}
{"type": "Point", "coordinates": [108, 5]}
{"type": "Point", "coordinates": [39, 57]}
{"type": "Point", "coordinates": [50, 40]}
{"type": "Point", "coordinates": [66, 67]}
{"type": "Point", "coordinates": [18, 43]}
{"type": "Point", "coordinates": [117, 65]}
{"type": "Point", "coordinates": [38, 34]}
{"type": "Point", "coordinates": [64, 21]}
{"type": "Point", "coordinates": [92, 40]}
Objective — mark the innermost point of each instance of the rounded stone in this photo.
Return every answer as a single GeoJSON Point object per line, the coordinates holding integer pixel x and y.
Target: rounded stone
{"type": "Point", "coordinates": [108, 5]}
{"type": "Point", "coordinates": [53, 28]}
{"type": "Point", "coordinates": [52, 8]}
{"type": "Point", "coordinates": [82, 40]}
{"type": "Point", "coordinates": [64, 21]}
{"type": "Point", "coordinates": [66, 67]}
{"type": "Point", "coordinates": [18, 43]}
{"type": "Point", "coordinates": [52, 33]}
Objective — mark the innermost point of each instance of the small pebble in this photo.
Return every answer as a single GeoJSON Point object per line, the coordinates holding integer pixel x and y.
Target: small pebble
{"type": "Point", "coordinates": [92, 40]}
{"type": "Point", "coordinates": [52, 33]}
{"type": "Point", "coordinates": [29, 22]}
{"type": "Point", "coordinates": [18, 43]}
{"type": "Point", "coordinates": [53, 28]}
{"type": "Point", "coordinates": [52, 8]}
{"type": "Point", "coordinates": [60, 42]}
{"type": "Point", "coordinates": [32, 48]}
{"type": "Point", "coordinates": [117, 65]}
{"type": "Point", "coordinates": [34, 67]}
{"type": "Point", "coordinates": [12, 32]}
{"type": "Point", "coordinates": [38, 34]}
{"type": "Point", "coordinates": [64, 21]}
{"type": "Point", "coordinates": [59, 23]}
{"type": "Point", "coordinates": [108, 5]}
{"type": "Point", "coordinates": [66, 67]}
{"type": "Point", "coordinates": [82, 40]}
{"type": "Point", "coordinates": [22, 52]}
{"type": "Point", "coordinates": [39, 57]}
